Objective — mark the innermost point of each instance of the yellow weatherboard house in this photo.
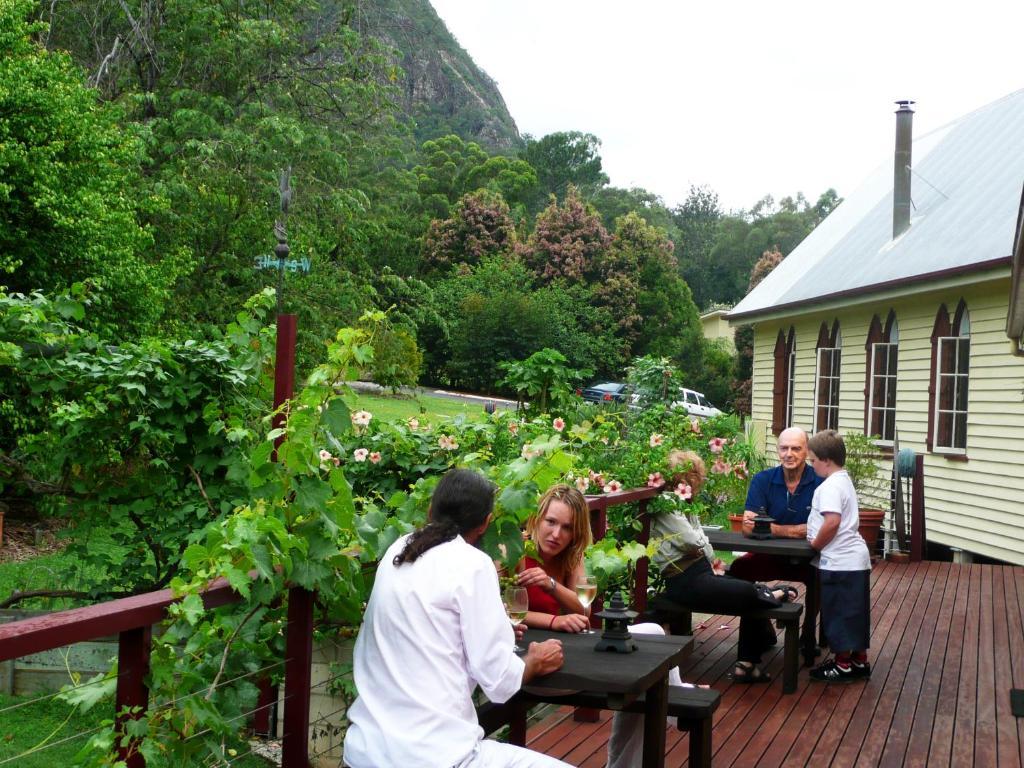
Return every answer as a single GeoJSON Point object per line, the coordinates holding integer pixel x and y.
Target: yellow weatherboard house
{"type": "Point", "coordinates": [901, 316]}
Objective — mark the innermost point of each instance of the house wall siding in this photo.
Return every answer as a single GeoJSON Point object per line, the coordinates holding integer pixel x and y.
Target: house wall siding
{"type": "Point", "coordinates": [978, 504]}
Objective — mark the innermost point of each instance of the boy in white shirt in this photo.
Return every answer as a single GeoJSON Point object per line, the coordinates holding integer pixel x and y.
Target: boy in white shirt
{"type": "Point", "coordinates": [844, 563]}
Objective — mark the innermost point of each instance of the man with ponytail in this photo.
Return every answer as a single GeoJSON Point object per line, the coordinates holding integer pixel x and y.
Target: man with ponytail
{"type": "Point", "coordinates": [434, 629]}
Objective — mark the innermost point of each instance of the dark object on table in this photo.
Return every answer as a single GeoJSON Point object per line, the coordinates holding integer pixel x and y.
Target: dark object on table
{"type": "Point", "coordinates": [1017, 702]}
{"type": "Point", "coordinates": [762, 527]}
{"type": "Point", "coordinates": [616, 635]}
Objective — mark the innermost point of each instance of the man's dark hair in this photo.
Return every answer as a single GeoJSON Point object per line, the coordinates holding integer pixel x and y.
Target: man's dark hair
{"type": "Point", "coordinates": [460, 503]}
{"type": "Point", "coordinates": [827, 445]}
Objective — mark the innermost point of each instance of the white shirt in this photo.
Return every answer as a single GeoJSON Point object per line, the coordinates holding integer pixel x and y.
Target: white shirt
{"type": "Point", "coordinates": [847, 550]}
{"type": "Point", "coordinates": [433, 630]}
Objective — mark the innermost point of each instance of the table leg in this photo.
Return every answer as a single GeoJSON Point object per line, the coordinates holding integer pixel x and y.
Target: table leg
{"type": "Point", "coordinates": [517, 723]}
{"type": "Point", "coordinates": [655, 712]}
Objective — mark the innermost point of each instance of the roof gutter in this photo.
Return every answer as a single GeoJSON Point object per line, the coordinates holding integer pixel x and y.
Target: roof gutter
{"type": "Point", "coordinates": [981, 266]}
{"type": "Point", "coordinates": [1015, 315]}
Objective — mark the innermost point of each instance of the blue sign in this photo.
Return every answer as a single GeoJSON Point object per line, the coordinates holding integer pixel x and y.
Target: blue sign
{"type": "Point", "coordinates": [267, 261]}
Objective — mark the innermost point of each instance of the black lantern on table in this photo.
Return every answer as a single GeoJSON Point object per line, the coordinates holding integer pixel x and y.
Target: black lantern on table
{"type": "Point", "coordinates": [762, 527]}
{"type": "Point", "coordinates": [617, 617]}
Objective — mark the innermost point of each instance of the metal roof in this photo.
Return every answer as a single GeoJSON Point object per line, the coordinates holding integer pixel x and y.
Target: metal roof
{"type": "Point", "coordinates": [966, 186]}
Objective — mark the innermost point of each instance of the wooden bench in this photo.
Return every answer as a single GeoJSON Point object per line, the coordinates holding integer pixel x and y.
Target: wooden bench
{"type": "Point", "coordinates": [693, 709]}
{"type": "Point", "coordinates": [786, 616]}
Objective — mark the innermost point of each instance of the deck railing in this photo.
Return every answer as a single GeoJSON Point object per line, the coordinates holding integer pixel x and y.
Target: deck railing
{"type": "Point", "coordinates": [132, 619]}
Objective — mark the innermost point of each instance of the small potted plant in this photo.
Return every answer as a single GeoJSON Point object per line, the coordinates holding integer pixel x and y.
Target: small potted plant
{"type": "Point", "coordinates": [862, 466]}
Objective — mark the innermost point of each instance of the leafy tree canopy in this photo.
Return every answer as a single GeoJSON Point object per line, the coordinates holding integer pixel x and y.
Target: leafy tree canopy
{"type": "Point", "coordinates": [67, 174]}
{"type": "Point", "coordinates": [564, 159]}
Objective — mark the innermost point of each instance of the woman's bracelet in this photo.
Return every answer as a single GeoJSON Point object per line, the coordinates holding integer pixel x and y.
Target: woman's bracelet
{"type": "Point", "coordinates": [551, 624]}
{"type": "Point", "coordinates": [554, 585]}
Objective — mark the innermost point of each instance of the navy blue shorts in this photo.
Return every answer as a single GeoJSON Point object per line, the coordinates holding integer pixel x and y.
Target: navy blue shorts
{"type": "Point", "coordinates": [846, 609]}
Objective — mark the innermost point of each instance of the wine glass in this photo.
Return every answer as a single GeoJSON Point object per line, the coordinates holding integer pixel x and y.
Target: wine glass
{"type": "Point", "coordinates": [586, 591]}
{"type": "Point", "coordinates": [517, 603]}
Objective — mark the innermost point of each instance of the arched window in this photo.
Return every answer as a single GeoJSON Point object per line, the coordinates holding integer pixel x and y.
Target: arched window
{"type": "Point", "coordinates": [826, 380]}
{"type": "Point", "coordinates": [947, 396]}
{"type": "Point", "coordinates": [880, 394]}
{"type": "Point", "coordinates": [782, 385]}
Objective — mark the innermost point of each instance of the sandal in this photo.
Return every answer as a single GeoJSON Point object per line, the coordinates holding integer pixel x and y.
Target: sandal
{"type": "Point", "coordinates": [748, 675]}
{"type": "Point", "coordinates": [789, 592]}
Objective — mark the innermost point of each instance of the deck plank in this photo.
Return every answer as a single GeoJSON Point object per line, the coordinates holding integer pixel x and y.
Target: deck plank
{"type": "Point", "coordinates": [879, 707]}
{"type": "Point", "coordinates": [910, 744]}
{"type": "Point", "coordinates": [848, 716]}
{"type": "Point", "coordinates": [947, 644]}
{"type": "Point", "coordinates": [1007, 744]}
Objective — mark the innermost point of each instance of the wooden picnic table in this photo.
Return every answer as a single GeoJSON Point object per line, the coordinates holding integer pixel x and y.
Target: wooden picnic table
{"type": "Point", "coordinates": [619, 677]}
{"type": "Point", "coordinates": [797, 551]}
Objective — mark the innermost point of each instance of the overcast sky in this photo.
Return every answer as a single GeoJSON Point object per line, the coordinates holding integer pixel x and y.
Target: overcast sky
{"type": "Point", "coordinates": [748, 97]}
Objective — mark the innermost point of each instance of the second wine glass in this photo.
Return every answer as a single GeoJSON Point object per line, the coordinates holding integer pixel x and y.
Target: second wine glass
{"type": "Point", "coordinates": [586, 591]}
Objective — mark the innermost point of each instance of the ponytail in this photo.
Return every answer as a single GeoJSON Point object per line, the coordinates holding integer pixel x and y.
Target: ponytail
{"type": "Point", "coordinates": [427, 537]}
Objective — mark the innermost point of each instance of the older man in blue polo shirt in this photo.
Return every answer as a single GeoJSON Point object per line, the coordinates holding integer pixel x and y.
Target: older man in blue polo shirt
{"type": "Point", "coordinates": [784, 493]}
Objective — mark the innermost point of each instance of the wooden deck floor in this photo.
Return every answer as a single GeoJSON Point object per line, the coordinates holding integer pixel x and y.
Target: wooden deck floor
{"type": "Point", "coordinates": [946, 646]}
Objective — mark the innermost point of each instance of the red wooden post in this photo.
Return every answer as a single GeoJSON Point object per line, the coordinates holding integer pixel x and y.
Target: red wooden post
{"type": "Point", "coordinates": [284, 389]}
{"type": "Point", "coordinates": [297, 678]}
{"type": "Point", "coordinates": [284, 369]}
{"type": "Point", "coordinates": [917, 533]}
{"type": "Point", "coordinates": [133, 646]}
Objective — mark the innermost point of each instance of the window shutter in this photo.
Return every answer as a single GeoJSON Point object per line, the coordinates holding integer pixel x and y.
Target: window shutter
{"type": "Point", "coordinates": [779, 393]}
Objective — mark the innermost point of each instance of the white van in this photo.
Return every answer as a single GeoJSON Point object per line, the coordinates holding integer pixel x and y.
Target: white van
{"type": "Point", "coordinates": [695, 404]}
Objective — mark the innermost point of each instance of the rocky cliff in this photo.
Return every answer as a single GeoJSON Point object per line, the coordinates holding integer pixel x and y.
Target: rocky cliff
{"type": "Point", "coordinates": [443, 89]}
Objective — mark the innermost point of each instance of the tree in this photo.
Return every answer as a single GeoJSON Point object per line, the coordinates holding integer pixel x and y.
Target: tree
{"type": "Point", "coordinates": [668, 321]}
{"type": "Point", "coordinates": [562, 160]}
{"type": "Point", "coordinates": [613, 202]}
{"type": "Point", "coordinates": [225, 95]}
{"type": "Point", "coordinates": [769, 260]}
{"type": "Point", "coordinates": [67, 175]}
{"type": "Point", "coordinates": [492, 317]}
{"type": "Point", "coordinates": [450, 168]}
{"type": "Point", "coordinates": [479, 226]}
{"type": "Point", "coordinates": [567, 242]}
{"type": "Point", "coordinates": [698, 219]}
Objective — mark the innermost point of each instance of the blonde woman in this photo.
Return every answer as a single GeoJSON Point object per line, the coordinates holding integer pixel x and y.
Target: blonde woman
{"type": "Point", "coordinates": [560, 528]}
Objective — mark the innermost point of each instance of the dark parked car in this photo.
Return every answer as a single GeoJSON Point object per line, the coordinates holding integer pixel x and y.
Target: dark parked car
{"type": "Point", "coordinates": [612, 391]}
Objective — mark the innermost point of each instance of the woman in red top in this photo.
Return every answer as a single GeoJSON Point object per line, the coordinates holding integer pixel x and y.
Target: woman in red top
{"type": "Point", "coordinates": [561, 530]}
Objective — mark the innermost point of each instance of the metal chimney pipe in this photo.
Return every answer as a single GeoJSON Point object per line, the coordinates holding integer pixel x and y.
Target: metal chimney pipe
{"type": "Point", "coordinates": [901, 169]}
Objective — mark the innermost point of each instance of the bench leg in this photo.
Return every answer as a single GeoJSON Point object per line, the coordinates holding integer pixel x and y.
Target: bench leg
{"type": "Point", "coordinates": [681, 623]}
{"type": "Point", "coordinates": [791, 656]}
{"type": "Point", "coordinates": [700, 741]}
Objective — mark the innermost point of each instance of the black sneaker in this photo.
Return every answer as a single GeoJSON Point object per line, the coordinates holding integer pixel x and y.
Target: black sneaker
{"type": "Point", "coordinates": [861, 671]}
{"type": "Point", "coordinates": [831, 672]}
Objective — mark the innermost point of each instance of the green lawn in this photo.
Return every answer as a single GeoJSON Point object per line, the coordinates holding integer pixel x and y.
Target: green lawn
{"type": "Point", "coordinates": [46, 720]}
{"type": "Point", "coordinates": [426, 408]}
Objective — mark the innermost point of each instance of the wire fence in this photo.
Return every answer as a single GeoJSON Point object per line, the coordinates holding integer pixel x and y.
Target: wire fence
{"type": "Point", "coordinates": [47, 745]}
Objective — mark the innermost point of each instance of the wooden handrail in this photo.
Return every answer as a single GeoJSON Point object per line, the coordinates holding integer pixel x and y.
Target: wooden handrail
{"type": "Point", "coordinates": [76, 625]}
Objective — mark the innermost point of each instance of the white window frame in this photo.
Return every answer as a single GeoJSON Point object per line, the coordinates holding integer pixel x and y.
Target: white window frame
{"type": "Point", "coordinates": [957, 375]}
{"type": "Point", "coordinates": [834, 378]}
{"type": "Point", "coordinates": [889, 414]}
